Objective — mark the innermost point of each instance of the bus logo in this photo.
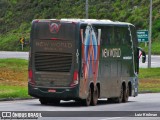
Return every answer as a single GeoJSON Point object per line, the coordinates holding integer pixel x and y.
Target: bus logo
{"type": "Point", "coordinates": [54, 27]}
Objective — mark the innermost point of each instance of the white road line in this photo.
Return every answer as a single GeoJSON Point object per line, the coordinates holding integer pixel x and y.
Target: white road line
{"type": "Point", "coordinates": [113, 118]}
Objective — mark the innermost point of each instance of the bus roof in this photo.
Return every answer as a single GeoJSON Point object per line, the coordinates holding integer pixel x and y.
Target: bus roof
{"type": "Point", "coordinates": [85, 21]}
{"type": "Point", "coordinates": [96, 21]}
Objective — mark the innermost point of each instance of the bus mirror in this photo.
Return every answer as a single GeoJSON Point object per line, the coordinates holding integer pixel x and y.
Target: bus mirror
{"type": "Point", "coordinates": [143, 57]}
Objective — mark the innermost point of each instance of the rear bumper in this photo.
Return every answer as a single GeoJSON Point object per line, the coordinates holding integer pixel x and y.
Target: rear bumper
{"type": "Point", "coordinates": [70, 93]}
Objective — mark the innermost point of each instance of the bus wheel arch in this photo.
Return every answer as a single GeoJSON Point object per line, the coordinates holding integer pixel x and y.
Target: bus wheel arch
{"type": "Point", "coordinates": [94, 93]}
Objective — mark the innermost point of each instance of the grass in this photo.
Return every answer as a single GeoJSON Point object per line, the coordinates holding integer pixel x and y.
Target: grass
{"type": "Point", "coordinates": [149, 73]}
{"type": "Point", "coordinates": [13, 78]}
{"type": "Point", "coordinates": [149, 80]}
{"type": "Point", "coordinates": [155, 47]}
{"type": "Point", "coordinates": [14, 75]}
{"type": "Point", "coordinates": [13, 92]}
{"type": "Point", "coordinates": [14, 64]}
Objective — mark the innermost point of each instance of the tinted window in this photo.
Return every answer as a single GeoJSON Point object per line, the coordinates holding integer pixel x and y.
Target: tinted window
{"type": "Point", "coordinates": [122, 35]}
{"type": "Point", "coordinates": [107, 36]}
{"type": "Point", "coordinates": [116, 35]}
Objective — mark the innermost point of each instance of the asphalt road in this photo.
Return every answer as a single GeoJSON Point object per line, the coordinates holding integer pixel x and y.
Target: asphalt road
{"type": "Point", "coordinates": [144, 103]}
{"type": "Point", "coordinates": [24, 55]}
{"type": "Point", "coordinates": [12, 54]}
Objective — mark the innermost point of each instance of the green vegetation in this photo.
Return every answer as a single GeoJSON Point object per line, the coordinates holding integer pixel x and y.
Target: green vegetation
{"type": "Point", "coordinates": [149, 80]}
{"type": "Point", "coordinates": [149, 73]}
{"type": "Point", "coordinates": [13, 78]}
{"type": "Point", "coordinates": [13, 92]}
{"type": "Point", "coordinates": [10, 42]}
{"type": "Point", "coordinates": [16, 15]}
{"type": "Point", "coordinates": [155, 47]}
{"type": "Point", "coordinates": [14, 63]}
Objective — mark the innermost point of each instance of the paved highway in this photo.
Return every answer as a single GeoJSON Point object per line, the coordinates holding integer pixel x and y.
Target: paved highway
{"type": "Point", "coordinates": [12, 54]}
{"type": "Point", "coordinates": [24, 55]}
{"type": "Point", "coordinates": [144, 102]}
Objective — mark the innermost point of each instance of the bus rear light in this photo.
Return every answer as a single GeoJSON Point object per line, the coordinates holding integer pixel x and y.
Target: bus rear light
{"type": "Point", "coordinates": [30, 77]}
{"type": "Point", "coordinates": [75, 75]}
{"type": "Point", "coordinates": [75, 79]}
{"type": "Point", "coordinates": [30, 74]}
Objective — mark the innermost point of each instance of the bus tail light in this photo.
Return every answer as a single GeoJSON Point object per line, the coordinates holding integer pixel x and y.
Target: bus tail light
{"type": "Point", "coordinates": [75, 79]}
{"type": "Point", "coordinates": [30, 77]}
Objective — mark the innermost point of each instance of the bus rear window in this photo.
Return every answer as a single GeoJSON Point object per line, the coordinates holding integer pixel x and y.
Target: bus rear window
{"type": "Point", "coordinates": [54, 31]}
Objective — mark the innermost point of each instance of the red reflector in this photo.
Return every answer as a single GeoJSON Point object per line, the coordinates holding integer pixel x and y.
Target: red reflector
{"type": "Point", "coordinates": [75, 79]}
{"type": "Point", "coordinates": [51, 90]}
{"type": "Point", "coordinates": [75, 76]}
{"type": "Point", "coordinates": [30, 73]}
{"type": "Point", "coordinates": [30, 77]}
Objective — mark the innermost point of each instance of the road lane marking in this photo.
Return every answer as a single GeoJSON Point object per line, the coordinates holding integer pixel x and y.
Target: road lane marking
{"type": "Point", "coordinates": [111, 118]}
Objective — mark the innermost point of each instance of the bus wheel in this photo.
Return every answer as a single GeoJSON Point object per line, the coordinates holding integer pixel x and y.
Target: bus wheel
{"type": "Point", "coordinates": [126, 95]}
{"type": "Point", "coordinates": [43, 101]}
{"type": "Point", "coordinates": [95, 96]}
{"type": "Point", "coordinates": [120, 98]}
{"type": "Point", "coordinates": [88, 100]}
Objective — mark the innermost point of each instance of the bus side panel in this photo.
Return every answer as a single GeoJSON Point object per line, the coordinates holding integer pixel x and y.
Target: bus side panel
{"type": "Point", "coordinates": [90, 51]}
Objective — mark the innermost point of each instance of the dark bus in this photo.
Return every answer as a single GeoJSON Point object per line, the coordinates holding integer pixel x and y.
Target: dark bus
{"type": "Point", "coordinates": [83, 60]}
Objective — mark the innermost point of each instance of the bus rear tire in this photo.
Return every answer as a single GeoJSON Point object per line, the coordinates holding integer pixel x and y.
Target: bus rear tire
{"type": "Point", "coordinates": [95, 96]}
{"type": "Point", "coordinates": [43, 101]}
{"type": "Point", "coordinates": [120, 98]}
{"type": "Point", "coordinates": [126, 95]}
{"type": "Point", "coordinates": [88, 100]}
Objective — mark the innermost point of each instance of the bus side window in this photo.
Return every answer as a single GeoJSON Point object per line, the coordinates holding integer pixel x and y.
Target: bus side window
{"type": "Point", "coordinates": [112, 36]}
{"type": "Point", "coordinates": [106, 36]}
{"type": "Point", "coordinates": [126, 36]}
{"type": "Point", "coordinates": [123, 36]}
{"type": "Point", "coordinates": [120, 35]}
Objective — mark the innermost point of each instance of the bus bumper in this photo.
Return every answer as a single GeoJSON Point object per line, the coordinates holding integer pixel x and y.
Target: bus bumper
{"type": "Point", "coordinates": [70, 93]}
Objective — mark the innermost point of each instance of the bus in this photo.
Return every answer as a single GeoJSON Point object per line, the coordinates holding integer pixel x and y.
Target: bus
{"type": "Point", "coordinates": [83, 60]}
